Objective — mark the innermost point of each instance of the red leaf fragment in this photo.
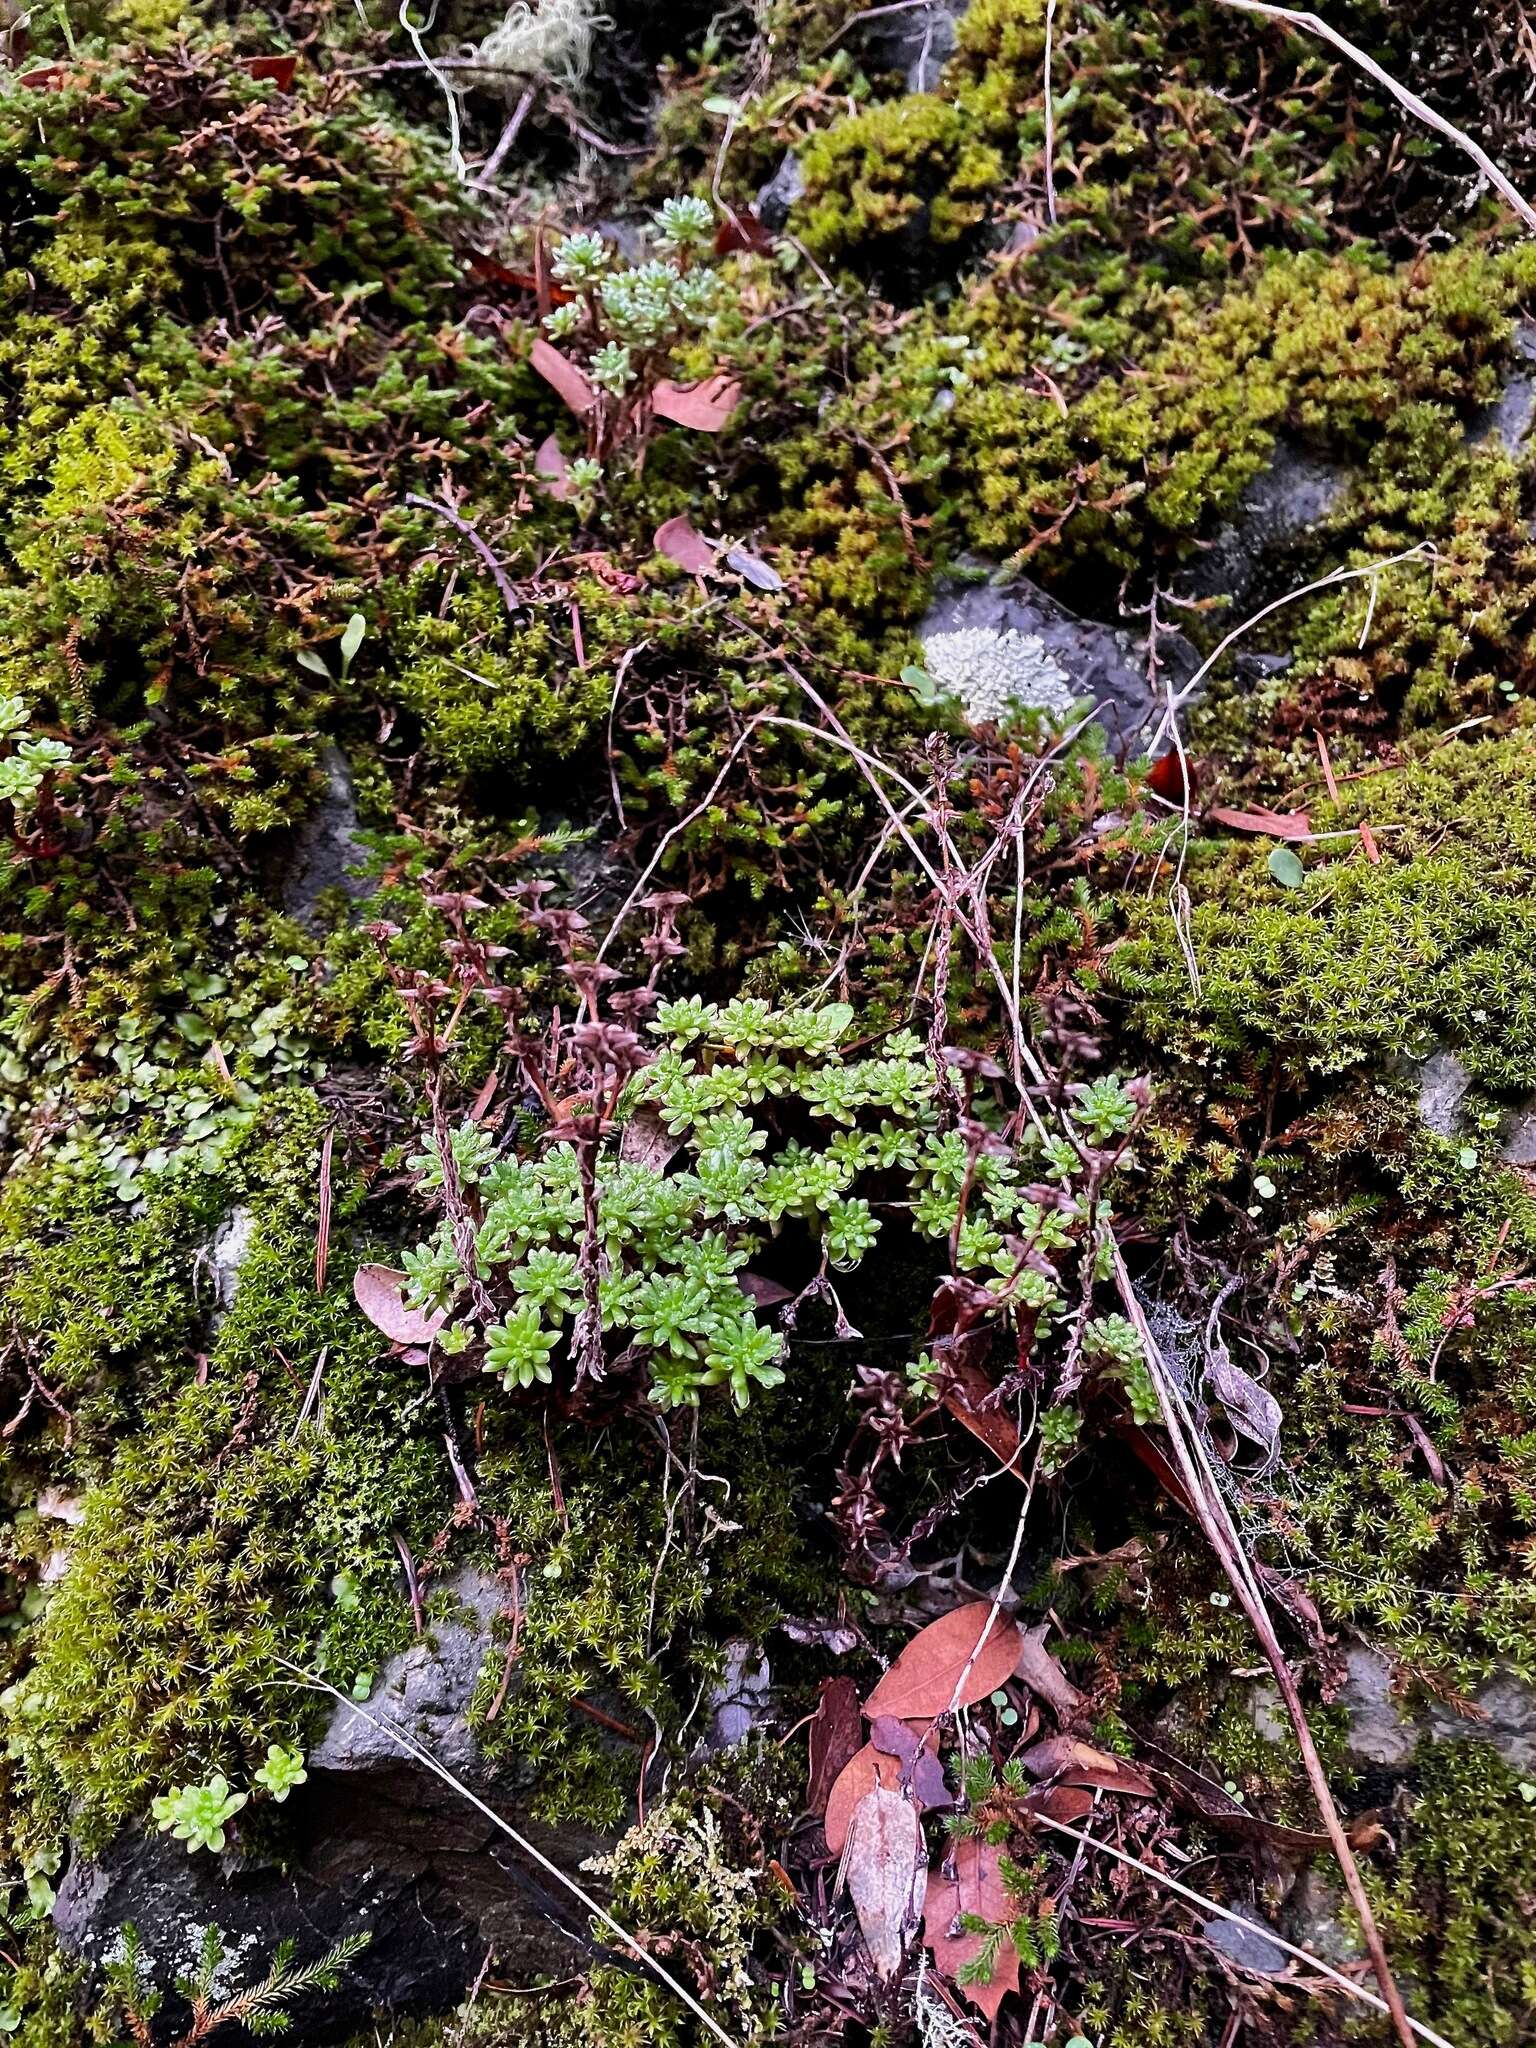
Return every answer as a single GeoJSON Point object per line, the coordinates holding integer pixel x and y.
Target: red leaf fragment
{"type": "Point", "coordinates": [742, 230]}
{"type": "Point", "coordinates": [864, 1770]}
{"type": "Point", "coordinates": [941, 1668]}
{"type": "Point", "coordinates": [970, 1881]}
{"type": "Point", "coordinates": [704, 407]}
{"type": "Point", "coordinates": [1273, 824]}
{"type": "Point", "coordinates": [379, 1292]}
{"type": "Point", "coordinates": [279, 69]}
{"type": "Point", "coordinates": [572, 383]}
{"type": "Point", "coordinates": [1171, 778]}
{"type": "Point", "coordinates": [834, 1739]}
{"type": "Point", "coordinates": [681, 542]}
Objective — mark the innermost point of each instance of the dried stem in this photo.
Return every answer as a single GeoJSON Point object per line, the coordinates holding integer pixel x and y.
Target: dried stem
{"type": "Point", "coordinates": [1210, 1511]}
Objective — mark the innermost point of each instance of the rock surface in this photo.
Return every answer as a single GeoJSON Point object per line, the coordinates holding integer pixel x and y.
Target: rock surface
{"type": "Point", "coordinates": [373, 1841]}
{"type": "Point", "coordinates": [330, 847]}
{"type": "Point", "coordinates": [1106, 665]}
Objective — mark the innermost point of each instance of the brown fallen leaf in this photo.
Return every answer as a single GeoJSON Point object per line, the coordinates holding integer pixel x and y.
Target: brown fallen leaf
{"type": "Point", "coordinates": [1070, 1803]}
{"type": "Point", "coordinates": [1071, 1762]}
{"type": "Point", "coordinates": [705, 407]}
{"type": "Point", "coordinates": [965, 1388]}
{"type": "Point", "coordinates": [681, 542]}
{"type": "Point", "coordinates": [571, 382]}
{"type": "Point", "coordinates": [941, 1669]}
{"type": "Point", "coordinates": [379, 1293]}
{"type": "Point", "coordinates": [1195, 1793]}
{"type": "Point", "coordinates": [1273, 824]}
{"type": "Point", "coordinates": [882, 1861]}
{"type": "Point", "coordinates": [835, 1740]}
{"type": "Point", "coordinates": [864, 1770]}
{"type": "Point", "coordinates": [969, 1881]}
{"type": "Point", "coordinates": [646, 1141]}
{"type": "Point", "coordinates": [1044, 1676]}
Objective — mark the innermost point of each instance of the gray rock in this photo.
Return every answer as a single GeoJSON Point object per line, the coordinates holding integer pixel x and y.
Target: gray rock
{"type": "Point", "coordinates": [742, 1700]}
{"type": "Point", "coordinates": [1105, 665]}
{"type": "Point", "coordinates": [1443, 1085]}
{"type": "Point", "coordinates": [1381, 1733]}
{"type": "Point", "coordinates": [225, 1255]}
{"type": "Point", "coordinates": [1316, 1918]}
{"type": "Point", "coordinates": [329, 847]}
{"type": "Point", "coordinates": [1279, 508]}
{"type": "Point", "coordinates": [1247, 1942]}
{"type": "Point", "coordinates": [422, 1693]}
{"type": "Point", "coordinates": [372, 1841]}
{"type": "Point", "coordinates": [1507, 421]}
{"type": "Point", "coordinates": [780, 193]}
{"type": "Point", "coordinates": [917, 41]}
{"type": "Point", "coordinates": [1517, 1136]}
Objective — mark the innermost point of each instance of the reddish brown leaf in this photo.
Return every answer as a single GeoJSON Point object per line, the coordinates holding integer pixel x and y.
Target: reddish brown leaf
{"type": "Point", "coordinates": [378, 1292]}
{"type": "Point", "coordinates": [1273, 824]}
{"type": "Point", "coordinates": [47, 78]}
{"type": "Point", "coordinates": [1044, 1676]}
{"type": "Point", "coordinates": [489, 269]}
{"type": "Point", "coordinates": [965, 1390]}
{"type": "Point", "coordinates": [765, 1292]}
{"type": "Point", "coordinates": [940, 1669]}
{"type": "Point", "coordinates": [882, 1861]}
{"type": "Point", "coordinates": [705, 407]}
{"type": "Point", "coordinates": [680, 542]}
{"type": "Point", "coordinates": [834, 1740]}
{"type": "Point", "coordinates": [1069, 1803]}
{"type": "Point", "coordinates": [1072, 1762]}
{"type": "Point", "coordinates": [864, 1770]}
{"type": "Point", "coordinates": [1172, 778]}
{"type": "Point", "coordinates": [573, 384]}
{"type": "Point", "coordinates": [969, 1881]}
{"type": "Point", "coordinates": [551, 471]}
{"type": "Point", "coordinates": [279, 69]}
{"type": "Point", "coordinates": [742, 230]}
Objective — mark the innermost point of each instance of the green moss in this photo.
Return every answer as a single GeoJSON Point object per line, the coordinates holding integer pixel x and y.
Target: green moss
{"type": "Point", "coordinates": [1452, 1912]}
{"type": "Point", "coordinates": [1366, 959]}
{"type": "Point", "coordinates": [911, 171]}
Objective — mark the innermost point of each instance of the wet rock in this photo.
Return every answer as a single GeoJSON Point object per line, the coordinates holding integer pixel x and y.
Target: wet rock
{"type": "Point", "coordinates": [375, 1841]}
{"type": "Point", "coordinates": [1443, 1085]}
{"type": "Point", "coordinates": [1033, 633]}
{"type": "Point", "coordinates": [1247, 1942]}
{"type": "Point", "coordinates": [1316, 1917]}
{"type": "Point", "coordinates": [329, 848]}
{"type": "Point", "coordinates": [1507, 422]}
{"type": "Point", "coordinates": [1293, 495]}
{"type": "Point", "coordinates": [774, 201]}
{"type": "Point", "coordinates": [742, 1700]}
{"type": "Point", "coordinates": [917, 41]}
{"type": "Point", "coordinates": [225, 1256]}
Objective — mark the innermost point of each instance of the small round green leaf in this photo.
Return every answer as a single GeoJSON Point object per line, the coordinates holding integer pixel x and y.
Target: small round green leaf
{"type": "Point", "coordinates": [1285, 865]}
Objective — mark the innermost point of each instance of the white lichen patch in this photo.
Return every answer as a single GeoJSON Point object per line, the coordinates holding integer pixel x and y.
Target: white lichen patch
{"type": "Point", "coordinates": [993, 673]}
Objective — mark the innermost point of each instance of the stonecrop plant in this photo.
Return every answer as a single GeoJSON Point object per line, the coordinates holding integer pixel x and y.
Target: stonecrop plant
{"type": "Point", "coordinates": [621, 1238]}
{"type": "Point", "coordinates": [617, 339]}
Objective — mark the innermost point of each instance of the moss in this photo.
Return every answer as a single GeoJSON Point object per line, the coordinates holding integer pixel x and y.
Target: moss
{"type": "Point", "coordinates": [1366, 958]}
{"type": "Point", "coordinates": [1452, 1910]}
{"type": "Point", "coordinates": [912, 172]}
